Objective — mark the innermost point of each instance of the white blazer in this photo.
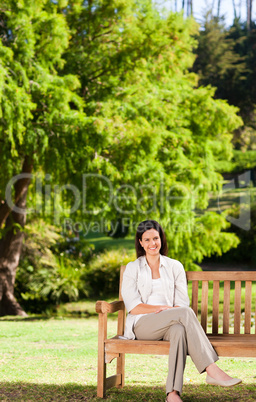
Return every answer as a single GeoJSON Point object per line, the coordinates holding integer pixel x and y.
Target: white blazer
{"type": "Point", "coordinates": [137, 286]}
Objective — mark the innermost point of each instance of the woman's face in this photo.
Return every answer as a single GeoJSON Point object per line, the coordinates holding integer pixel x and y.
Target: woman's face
{"type": "Point", "coordinates": [151, 242]}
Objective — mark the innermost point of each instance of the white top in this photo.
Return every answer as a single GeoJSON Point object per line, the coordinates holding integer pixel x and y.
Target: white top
{"type": "Point", "coordinates": [156, 297]}
{"type": "Point", "coordinates": [137, 286]}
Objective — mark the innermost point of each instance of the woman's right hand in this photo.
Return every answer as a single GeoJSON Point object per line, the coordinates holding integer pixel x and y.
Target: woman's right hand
{"type": "Point", "coordinates": [149, 308]}
{"type": "Point", "coordinates": [162, 308]}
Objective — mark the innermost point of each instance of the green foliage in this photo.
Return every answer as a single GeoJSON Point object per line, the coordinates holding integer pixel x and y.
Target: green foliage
{"type": "Point", "coordinates": [240, 161]}
{"type": "Point", "coordinates": [207, 234]}
{"type": "Point", "coordinates": [104, 272]}
{"type": "Point", "coordinates": [226, 60]}
{"type": "Point", "coordinates": [47, 275]}
{"type": "Point", "coordinates": [75, 247]}
{"type": "Point", "coordinates": [146, 105]}
{"type": "Point", "coordinates": [217, 61]}
{"type": "Point", "coordinates": [41, 114]}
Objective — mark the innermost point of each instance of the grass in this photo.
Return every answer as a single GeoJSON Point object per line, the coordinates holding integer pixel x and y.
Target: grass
{"type": "Point", "coordinates": [56, 359]}
{"type": "Point", "coordinates": [103, 242]}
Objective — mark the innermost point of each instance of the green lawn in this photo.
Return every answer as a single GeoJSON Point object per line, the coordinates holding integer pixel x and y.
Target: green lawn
{"type": "Point", "coordinates": [55, 360]}
{"type": "Point", "coordinates": [103, 242]}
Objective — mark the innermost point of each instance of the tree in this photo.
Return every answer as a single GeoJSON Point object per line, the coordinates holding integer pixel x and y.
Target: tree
{"type": "Point", "coordinates": [217, 61]}
{"type": "Point", "coordinates": [102, 88]}
{"type": "Point", "coordinates": [154, 114]}
{"type": "Point", "coordinates": [226, 60]}
{"type": "Point", "coordinates": [38, 110]}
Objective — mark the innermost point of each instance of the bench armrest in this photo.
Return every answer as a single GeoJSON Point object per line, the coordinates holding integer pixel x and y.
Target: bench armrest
{"type": "Point", "coordinates": [105, 307]}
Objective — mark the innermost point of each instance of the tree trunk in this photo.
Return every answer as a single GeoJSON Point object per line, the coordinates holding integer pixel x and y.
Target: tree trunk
{"type": "Point", "coordinates": [11, 245]}
{"type": "Point", "coordinates": [5, 209]}
{"type": "Point", "coordinates": [234, 8]}
{"type": "Point", "coordinates": [218, 10]}
{"type": "Point", "coordinates": [189, 7]}
{"type": "Point", "coordinates": [240, 8]}
{"type": "Point", "coordinates": [249, 14]}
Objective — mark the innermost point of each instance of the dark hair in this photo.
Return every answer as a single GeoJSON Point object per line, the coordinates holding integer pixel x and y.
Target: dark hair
{"type": "Point", "coordinates": [142, 228]}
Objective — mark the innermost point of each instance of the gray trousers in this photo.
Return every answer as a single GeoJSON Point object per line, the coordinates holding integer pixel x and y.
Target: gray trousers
{"type": "Point", "coordinates": [181, 327]}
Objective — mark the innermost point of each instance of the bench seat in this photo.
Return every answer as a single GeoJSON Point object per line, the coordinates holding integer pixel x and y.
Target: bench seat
{"type": "Point", "coordinates": [231, 345]}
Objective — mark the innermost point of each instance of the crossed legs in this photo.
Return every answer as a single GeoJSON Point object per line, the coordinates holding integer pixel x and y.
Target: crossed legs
{"type": "Point", "coordinates": [180, 326]}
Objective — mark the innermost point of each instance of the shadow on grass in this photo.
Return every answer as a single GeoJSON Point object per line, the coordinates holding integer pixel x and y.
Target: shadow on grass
{"type": "Point", "coordinates": [29, 318]}
{"type": "Point", "coordinates": [21, 391]}
{"type": "Point", "coordinates": [58, 316]}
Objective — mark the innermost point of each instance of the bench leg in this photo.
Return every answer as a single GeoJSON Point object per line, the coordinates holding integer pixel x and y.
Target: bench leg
{"type": "Point", "coordinates": [113, 381]}
{"type": "Point", "coordinates": [101, 384]}
{"type": "Point", "coordinates": [117, 380]}
{"type": "Point", "coordinates": [101, 381]}
{"type": "Point", "coordinates": [120, 368]}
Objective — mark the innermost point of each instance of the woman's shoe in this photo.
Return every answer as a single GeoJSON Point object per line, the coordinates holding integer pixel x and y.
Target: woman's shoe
{"type": "Point", "coordinates": [228, 383]}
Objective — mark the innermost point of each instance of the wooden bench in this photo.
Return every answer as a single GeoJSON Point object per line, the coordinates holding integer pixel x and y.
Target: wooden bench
{"type": "Point", "coordinates": [238, 344]}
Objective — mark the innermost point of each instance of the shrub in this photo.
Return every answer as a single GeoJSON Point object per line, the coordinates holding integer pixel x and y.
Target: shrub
{"type": "Point", "coordinates": [102, 276]}
{"type": "Point", "coordinates": [74, 247]}
{"type": "Point", "coordinates": [45, 276]}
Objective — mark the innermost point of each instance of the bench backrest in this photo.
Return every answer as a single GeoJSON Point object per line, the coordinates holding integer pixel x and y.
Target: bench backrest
{"type": "Point", "coordinates": [225, 300]}
{"type": "Point", "coordinates": [232, 300]}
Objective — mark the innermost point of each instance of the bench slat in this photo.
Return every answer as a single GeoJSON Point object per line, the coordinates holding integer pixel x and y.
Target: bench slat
{"type": "Point", "coordinates": [221, 275]}
{"type": "Point", "coordinates": [121, 281]}
{"type": "Point", "coordinates": [195, 297]}
{"type": "Point", "coordinates": [122, 313]}
{"type": "Point", "coordinates": [215, 307]}
{"type": "Point", "coordinates": [237, 318]}
{"type": "Point", "coordinates": [204, 305]}
{"type": "Point", "coordinates": [137, 347]}
{"type": "Point", "coordinates": [248, 306]}
{"type": "Point", "coordinates": [226, 307]}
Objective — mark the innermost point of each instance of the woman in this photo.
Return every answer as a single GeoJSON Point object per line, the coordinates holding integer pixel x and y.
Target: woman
{"type": "Point", "coordinates": [155, 295]}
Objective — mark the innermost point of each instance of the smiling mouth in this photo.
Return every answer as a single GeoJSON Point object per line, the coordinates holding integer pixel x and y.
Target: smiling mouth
{"type": "Point", "coordinates": [153, 248]}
